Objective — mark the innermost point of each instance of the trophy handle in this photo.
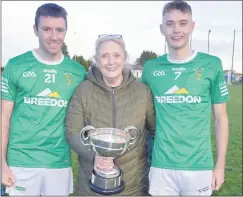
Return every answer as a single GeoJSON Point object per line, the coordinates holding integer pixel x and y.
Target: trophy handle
{"type": "Point", "coordinates": [133, 137]}
{"type": "Point", "coordinates": [84, 134]}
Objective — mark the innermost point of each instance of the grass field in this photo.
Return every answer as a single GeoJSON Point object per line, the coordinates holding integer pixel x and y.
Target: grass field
{"type": "Point", "coordinates": [233, 175]}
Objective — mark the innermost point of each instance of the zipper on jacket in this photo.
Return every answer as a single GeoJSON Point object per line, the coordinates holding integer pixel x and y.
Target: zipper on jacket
{"type": "Point", "coordinates": [113, 108]}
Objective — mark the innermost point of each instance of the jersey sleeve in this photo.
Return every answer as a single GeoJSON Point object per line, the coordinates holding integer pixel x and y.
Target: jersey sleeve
{"type": "Point", "coordinates": [144, 77]}
{"type": "Point", "coordinates": [84, 74]}
{"type": "Point", "coordinates": [82, 71]}
{"type": "Point", "coordinates": [8, 85]}
{"type": "Point", "coordinates": [219, 89]}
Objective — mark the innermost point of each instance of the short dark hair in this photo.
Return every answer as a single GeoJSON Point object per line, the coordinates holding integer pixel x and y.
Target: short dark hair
{"type": "Point", "coordinates": [50, 9]}
{"type": "Point", "coordinates": [177, 5]}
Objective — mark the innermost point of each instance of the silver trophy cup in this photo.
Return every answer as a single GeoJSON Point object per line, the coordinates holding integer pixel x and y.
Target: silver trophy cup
{"type": "Point", "coordinates": [111, 143]}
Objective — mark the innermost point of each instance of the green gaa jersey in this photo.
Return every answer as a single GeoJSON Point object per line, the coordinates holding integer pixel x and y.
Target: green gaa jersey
{"type": "Point", "coordinates": [40, 93]}
{"type": "Point", "coordinates": [183, 95]}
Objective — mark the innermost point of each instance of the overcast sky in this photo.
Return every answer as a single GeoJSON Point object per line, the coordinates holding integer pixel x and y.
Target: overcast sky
{"type": "Point", "coordinates": [138, 22]}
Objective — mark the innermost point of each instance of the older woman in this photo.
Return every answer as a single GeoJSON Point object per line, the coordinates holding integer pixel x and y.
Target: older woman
{"type": "Point", "coordinates": [111, 97]}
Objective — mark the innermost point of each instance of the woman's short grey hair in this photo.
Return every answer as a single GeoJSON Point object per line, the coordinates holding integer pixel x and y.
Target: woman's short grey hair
{"type": "Point", "coordinates": [108, 38]}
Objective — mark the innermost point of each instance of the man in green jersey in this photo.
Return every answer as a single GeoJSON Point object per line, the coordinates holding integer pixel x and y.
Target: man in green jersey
{"type": "Point", "coordinates": [186, 86]}
{"type": "Point", "coordinates": [36, 88]}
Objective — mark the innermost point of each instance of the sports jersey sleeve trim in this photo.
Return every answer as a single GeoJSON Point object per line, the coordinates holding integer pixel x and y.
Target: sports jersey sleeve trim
{"type": "Point", "coordinates": [7, 98]}
{"type": "Point", "coordinates": [220, 101]}
{"type": "Point", "coordinates": [219, 90]}
{"type": "Point", "coordinates": [8, 86]}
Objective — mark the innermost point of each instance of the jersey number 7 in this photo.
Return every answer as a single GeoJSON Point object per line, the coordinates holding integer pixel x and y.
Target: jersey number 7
{"type": "Point", "coordinates": [177, 75]}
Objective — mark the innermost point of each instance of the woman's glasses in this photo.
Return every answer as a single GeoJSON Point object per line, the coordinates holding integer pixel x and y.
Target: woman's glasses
{"type": "Point", "coordinates": [110, 35]}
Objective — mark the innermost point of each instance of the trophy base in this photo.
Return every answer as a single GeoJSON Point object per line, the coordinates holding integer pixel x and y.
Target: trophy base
{"type": "Point", "coordinates": [98, 190]}
{"type": "Point", "coordinates": [106, 186]}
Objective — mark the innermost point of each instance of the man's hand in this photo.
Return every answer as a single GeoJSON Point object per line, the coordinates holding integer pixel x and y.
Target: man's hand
{"type": "Point", "coordinates": [103, 163]}
{"type": "Point", "coordinates": [8, 178]}
{"type": "Point", "coordinates": [218, 178]}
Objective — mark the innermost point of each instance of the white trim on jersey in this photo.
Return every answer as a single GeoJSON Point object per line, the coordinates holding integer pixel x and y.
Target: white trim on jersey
{"type": "Point", "coordinates": [223, 90]}
{"type": "Point", "coordinates": [4, 85]}
{"type": "Point", "coordinates": [47, 62]}
{"type": "Point", "coordinates": [182, 61]}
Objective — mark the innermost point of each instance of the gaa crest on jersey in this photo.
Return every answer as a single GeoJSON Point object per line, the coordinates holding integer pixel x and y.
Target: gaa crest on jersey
{"type": "Point", "coordinates": [198, 73]}
{"type": "Point", "coordinates": [68, 78]}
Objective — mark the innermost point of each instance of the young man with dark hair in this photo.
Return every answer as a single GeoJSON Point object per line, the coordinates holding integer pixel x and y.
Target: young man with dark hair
{"type": "Point", "coordinates": [186, 85]}
{"type": "Point", "coordinates": [36, 89]}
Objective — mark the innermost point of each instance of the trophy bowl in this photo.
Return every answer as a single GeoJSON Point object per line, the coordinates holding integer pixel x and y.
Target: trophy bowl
{"type": "Point", "coordinates": [111, 143]}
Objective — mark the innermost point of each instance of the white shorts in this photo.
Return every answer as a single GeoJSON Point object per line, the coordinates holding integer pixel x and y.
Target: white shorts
{"type": "Point", "coordinates": [41, 181]}
{"type": "Point", "coordinates": [179, 182]}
